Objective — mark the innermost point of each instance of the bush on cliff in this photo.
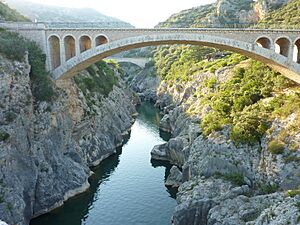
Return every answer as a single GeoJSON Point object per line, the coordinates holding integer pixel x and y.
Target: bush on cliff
{"type": "Point", "coordinates": [101, 79]}
{"type": "Point", "coordinates": [9, 14]}
{"type": "Point", "coordinates": [238, 102]}
{"type": "Point", "coordinates": [3, 136]}
{"type": "Point", "coordinates": [14, 47]}
{"type": "Point", "coordinates": [276, 147]}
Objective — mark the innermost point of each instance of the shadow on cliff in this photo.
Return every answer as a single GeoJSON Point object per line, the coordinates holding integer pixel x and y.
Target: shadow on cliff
{"type": "Point", "coordinates": [79, 206]}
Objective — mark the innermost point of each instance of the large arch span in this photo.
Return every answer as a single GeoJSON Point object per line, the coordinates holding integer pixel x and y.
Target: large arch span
{"type": "Point", "coordinates": [263, 53]}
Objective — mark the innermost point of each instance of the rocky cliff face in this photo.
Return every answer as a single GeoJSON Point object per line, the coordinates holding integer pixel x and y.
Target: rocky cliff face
{"type": "Point", "coordinates": [46, 149]}
{"type": "Point", "coordinates": [224, 13]}
{"type": "Point", "coordinates": [224, 183]}
{"type": "Point", "coordinates": [144, 82]}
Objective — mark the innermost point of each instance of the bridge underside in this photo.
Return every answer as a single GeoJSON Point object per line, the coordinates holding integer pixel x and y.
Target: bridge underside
{"type": "Point", "coordinates": [279, 62]}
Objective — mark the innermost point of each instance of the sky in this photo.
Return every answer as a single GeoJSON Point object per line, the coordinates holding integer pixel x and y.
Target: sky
{"type": "Point", "coordinates": [140, 13]}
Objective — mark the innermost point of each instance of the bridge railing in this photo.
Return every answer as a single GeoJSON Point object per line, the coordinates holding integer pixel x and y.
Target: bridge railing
{"type": "Point", "coordinates": [234, 26]}
{"type": "Point", "coordinates": [88, 25]}
{"type": "Point", "coordinates": [22, 25]}
{"type": "Point", "coordinates": [124, 25]}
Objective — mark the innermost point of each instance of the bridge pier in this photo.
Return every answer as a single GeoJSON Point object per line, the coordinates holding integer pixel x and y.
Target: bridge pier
{"type": "Point", "coordinates": [62, 51]}
{"type": "Point", "coordinates": [77, 47]}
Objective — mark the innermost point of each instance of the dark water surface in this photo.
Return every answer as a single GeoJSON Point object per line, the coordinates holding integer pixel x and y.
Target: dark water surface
{"type": "Point", "coordinates": [127, 188]}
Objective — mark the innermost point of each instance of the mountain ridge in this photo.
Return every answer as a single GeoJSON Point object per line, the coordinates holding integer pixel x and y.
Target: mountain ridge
{"type": "Point", "coordinates": [49, 14]}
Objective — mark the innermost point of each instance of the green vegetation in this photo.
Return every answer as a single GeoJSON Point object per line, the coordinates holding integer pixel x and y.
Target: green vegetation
{"type": "Point", "coordinates": [177, 63]}
{"type": "Point", "coordinates": [293, 193]}
{"type": "Point", "coordinates": [9, 14]}
{"type": "Point", "coordinates": [268, 188]}
{"type": "Point", "coordinates": [101, 80]}
{"type": "Point", "coordinates": [250, 99]}
{"type": "Point", "coordinates": [14, 47]}
{"type": "Point", "coordinates": [276, 147]}
{"type": "Point", "coordinates": [3, 136]}
{"type": "Point", "coordinates": [285, 17]}
{"type": "Point", "coordinates": [235, 178]}
{"type": "Point", "coordinates": [298, 206]}
{"type": "Point", "coordinates": [195, 17]}
{"type": "Point", "coordinates": [10, 116]}
{"type": "Point", "coordinates": [238, 102]}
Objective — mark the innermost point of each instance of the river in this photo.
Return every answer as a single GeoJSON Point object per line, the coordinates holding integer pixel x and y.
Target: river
{"type": "Point", "coordinates": [127, 188]}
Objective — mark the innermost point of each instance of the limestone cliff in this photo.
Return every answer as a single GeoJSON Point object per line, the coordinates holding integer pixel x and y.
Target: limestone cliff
{"type": "Point", "coordinates": [46, 148]}
{"type": "Point", "coordinates": [222, 182]}
{"type": "Point", "coordinates": [224, 13]}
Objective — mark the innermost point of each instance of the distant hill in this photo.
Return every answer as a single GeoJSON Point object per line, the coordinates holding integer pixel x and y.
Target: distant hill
{"type": "Point", "coordinates": [45, 13]}
{"type": "Point", "coordinates": [8, 14]}
{"type": "Point", "coordinates": [190, 17]}
{"type": "Point", "coordinates": [286, 16]}
{"type": "Point", "coordinates": [225, 13]}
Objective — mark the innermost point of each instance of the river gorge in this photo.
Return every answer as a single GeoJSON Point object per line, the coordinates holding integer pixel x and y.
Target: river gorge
{"type": "Point", "coordinates": [223, 130]}
{"type": "Point", "coordinates": [127, 188]}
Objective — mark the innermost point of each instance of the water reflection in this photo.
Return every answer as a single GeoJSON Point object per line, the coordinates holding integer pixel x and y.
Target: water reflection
{"type": "Point", "coordinates": [126, 188]}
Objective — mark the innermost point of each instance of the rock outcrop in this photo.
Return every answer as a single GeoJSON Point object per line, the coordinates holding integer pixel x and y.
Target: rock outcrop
{"type": "Point", "coordinates": [143, 81]}
{"type": "Point", "coordinates": [46, 148]}
{"type": "Point", "coordinates": [224, 183]}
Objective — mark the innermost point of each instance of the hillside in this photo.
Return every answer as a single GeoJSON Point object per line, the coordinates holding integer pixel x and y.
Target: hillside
{"type": "Point", "coordinates": [46, 13]}
{"type": "Point", "coordinates": [194, 17]}
{"type": "Point", "coordinates": [235, 124]}
{"type": "Point", "coordinates": [8, 14]}
{"type": "Point", "coordinates": [286, 16]}
{"type": "Point", "coordinates": [224, 13]}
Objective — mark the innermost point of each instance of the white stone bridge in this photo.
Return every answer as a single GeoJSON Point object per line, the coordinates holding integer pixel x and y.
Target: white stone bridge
{"type": "Point", "coordinates": [140, 62]}
{"type": "Point", "coordinates": [70, 50]}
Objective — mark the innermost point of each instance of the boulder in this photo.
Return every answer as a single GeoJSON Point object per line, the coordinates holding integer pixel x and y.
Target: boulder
{"type": "Point", "coordinates": [175, 177]}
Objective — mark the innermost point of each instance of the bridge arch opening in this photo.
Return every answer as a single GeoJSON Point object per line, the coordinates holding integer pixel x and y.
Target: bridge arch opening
{"type": "Point", "coordinates": [297, 51]}
{"type": "Point", "coordinates": [281, 63]}
{"type": "Point", "coordinates": [101, 40]}
{"type": "Point", "coordinates": [264, 42]}
{"type": "Point", "coordinates": [70, 48]}
{"type": "Point", "coordinates": [54, 47]}
{"type": "Point", "coordinates": [282, 46]}
{"type": "Point", "coordinates": [85, 43]}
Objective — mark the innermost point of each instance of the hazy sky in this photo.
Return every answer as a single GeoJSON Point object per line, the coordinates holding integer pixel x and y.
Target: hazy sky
{"type": "Point", "coordinates": [139, 13]}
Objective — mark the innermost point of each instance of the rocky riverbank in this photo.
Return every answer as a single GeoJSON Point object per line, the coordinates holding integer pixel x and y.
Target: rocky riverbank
{"type": "Point", "coordinates": [47, 148]}
{"type": "Point", "coordinates": [222, 182]}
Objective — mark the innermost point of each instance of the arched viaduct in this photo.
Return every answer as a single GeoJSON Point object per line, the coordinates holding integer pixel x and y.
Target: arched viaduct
{"type": "Point", "coordinates": [70, 50]}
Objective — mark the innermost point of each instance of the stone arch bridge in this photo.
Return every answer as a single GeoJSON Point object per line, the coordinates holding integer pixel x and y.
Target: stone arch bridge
{"type": "Point", "coordinates": [140, 62]}
{"type": "Point", "coordinates": [70, 50]}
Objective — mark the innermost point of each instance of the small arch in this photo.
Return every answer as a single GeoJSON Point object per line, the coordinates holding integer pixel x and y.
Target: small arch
{"type": "Point", "coordinates": [54, 47]}
{"type": "Point", "coordinates": [85, 43]}
{"type": "Point", "coordinates": [282, 46]}
{"type": "Point", "coordinates": [70, 49]}
{"type": "Point", "coordinates": [297, 51]}
{"type": "Point", "coordinates": [264, 42]}
{"type": "Point", "coordinates": [101, 40]}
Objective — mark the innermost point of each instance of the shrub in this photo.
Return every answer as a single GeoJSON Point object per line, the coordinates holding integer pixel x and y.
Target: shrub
{"type": "Point", "coordinates": [268, 188]}
{"type": "Point", "coordinates": [276, 147]}
{"type": "Point", "coordinates": [101, 81]}
{"type": "Point", "coordinates": [9, 14]}
{"type": "Point", "coordinates": [298, 205]}
{"type": "Point", "coordinates": [293, 193]}
{"type": "Point", "coordinates": [10, 117]}
{"type": "Point", "coordinates": [14, 47]}
{"type": "Point", "coordinates": [235, 178]}
{"type": "Point", "coordinates": [211, 82]}
{"type": "Point", "coordinates": [4, 136]}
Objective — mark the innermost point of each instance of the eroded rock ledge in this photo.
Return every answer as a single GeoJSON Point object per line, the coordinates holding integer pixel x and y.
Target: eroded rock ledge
{"type": "Point", "coordinates": [46, 149]}
{"type": "Point", "coordinates": [224, 183]}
